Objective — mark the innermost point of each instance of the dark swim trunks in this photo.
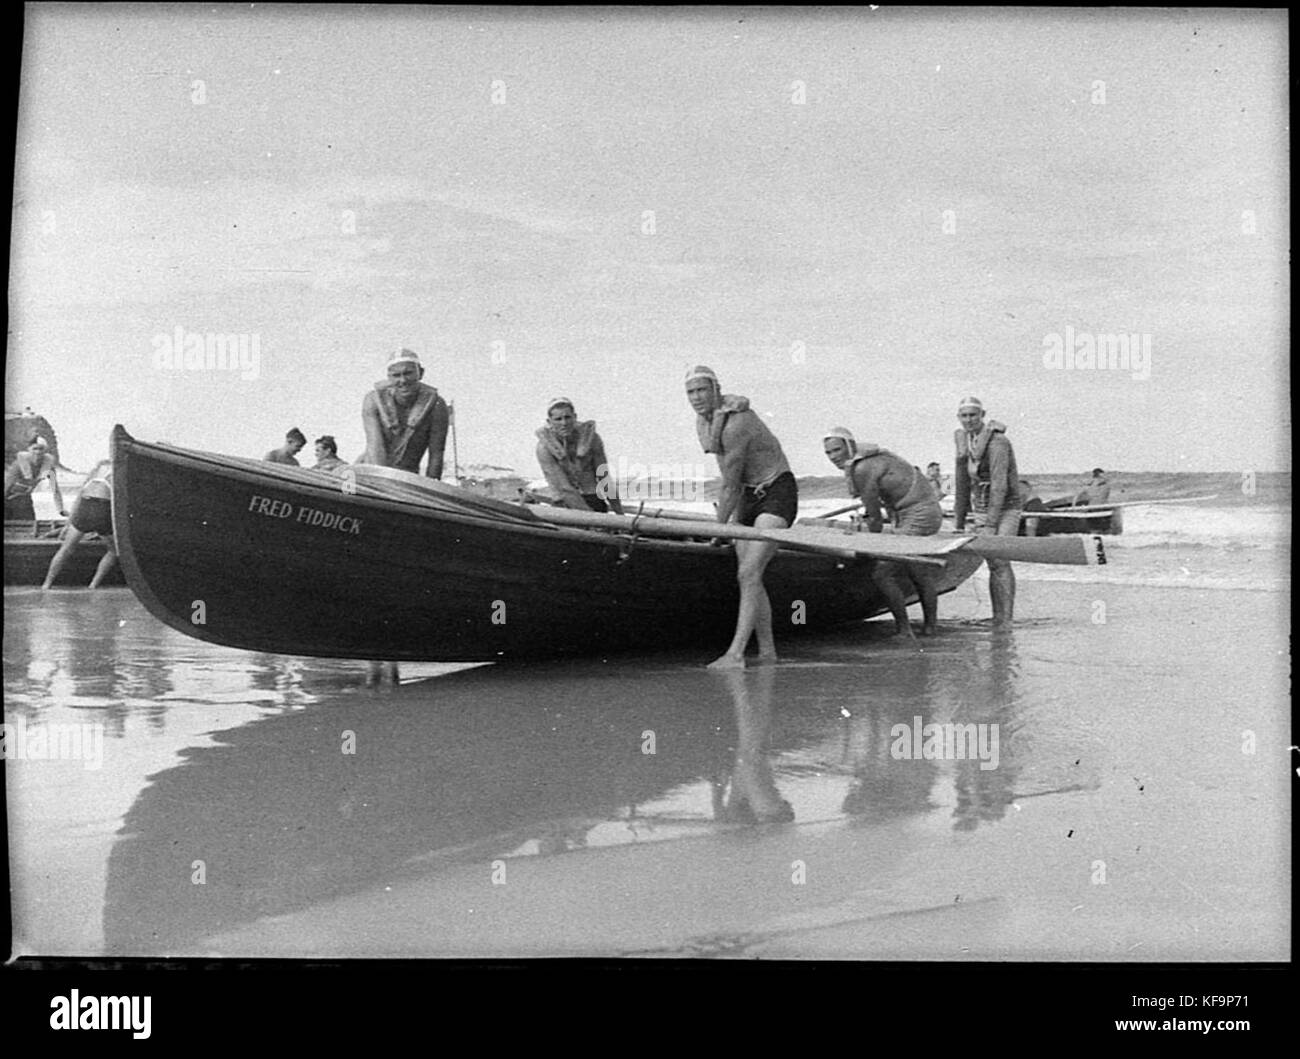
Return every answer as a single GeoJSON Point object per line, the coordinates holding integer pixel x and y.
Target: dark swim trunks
{"type": "Point", "coordinates": [93, 515]}
{"type": "Point", "coordinates": [20, 509]}
{"type": "Point", "coordinates": [595, 502]}
{"type": "Point", "coordinates": [779, 497]}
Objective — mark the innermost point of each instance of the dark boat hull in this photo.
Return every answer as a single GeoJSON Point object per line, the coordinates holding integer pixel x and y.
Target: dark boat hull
{"type": "Point", "coordinates": [28, 558]}
{"type": "Point", "coordinates": [1110, 524]}
{"type": "Point", "coordinates": [283, 560]}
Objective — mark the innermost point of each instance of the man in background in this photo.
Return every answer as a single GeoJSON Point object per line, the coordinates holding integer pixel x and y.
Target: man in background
{"type": "Point", "coordinates": [327, 455]}
{"type": "Point", "coordinates": [294, 441]}
{"type": "Point", "coordinates": [988, 487]}
{"type": "Point", "coordinates": [24, 475]}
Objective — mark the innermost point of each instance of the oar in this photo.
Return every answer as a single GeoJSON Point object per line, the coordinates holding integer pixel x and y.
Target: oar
{"type": "Point", "coordinates": [400, 485]}
{"type": "Point", "coordinates": [1073, 551]}
{"type": "Point", "coordinates": [1139, 503]}
{"type": "Point", "coordinates": [840, 511]}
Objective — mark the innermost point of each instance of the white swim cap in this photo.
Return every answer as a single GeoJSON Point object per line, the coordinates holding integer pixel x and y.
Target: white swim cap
{"type": "Point", "coordinates": [970, 402]}
{"type": "Point", "coordinates": [843, 433]}
{"type": "Point", "coordinates": [404, 356]}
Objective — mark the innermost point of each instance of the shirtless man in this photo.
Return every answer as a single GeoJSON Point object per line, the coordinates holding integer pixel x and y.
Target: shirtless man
{"type": "Point", "coordinates": [883, 480]}
{"type": "Point", "coordinates": [327, 456]}
{"type": "Point", "coordinates": [1097, 491]}
{"type": "Point", "coordinates": [288, 452]}
{"type": "Point", "coordinates": [988, 487]}
{"type": "Point", "coordinates": [403, 418]}
{"type": "Point", "coordinates": [24, 475]}
{"type": "Point", "coordinates": [92, 513]}
{"type": "Point", "coordinates": [757, 490]}
{"type": "Point", "coordinates": [935, 474]}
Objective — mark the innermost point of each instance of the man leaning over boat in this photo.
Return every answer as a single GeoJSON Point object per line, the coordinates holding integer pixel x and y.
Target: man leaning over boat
{"type": "Point", "coordinates": [24, 475]}
{"type": "Point", "coordinates": [404, 417]}
{"type": "Point", "coordinates": [758, 489]}
{"type": "Point", "coordinates": [572, 458]}
{"type": "Point", "coordinates": [885, 481]}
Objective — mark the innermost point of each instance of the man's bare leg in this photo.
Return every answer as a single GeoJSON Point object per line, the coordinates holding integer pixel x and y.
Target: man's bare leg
{"type": "Point", "coordinates": [929, 602]}
{"type": "Point", "coordinates": [755, 612]}
{"type": "Point", "coordinates": [106, 565]}
{"type": "Point", "coordinates": [763, 628]}
{"type": "Point", "coordinates": [887, 577]}
{"type": "Point", "coordinates": [1002, 592]}
{"type": "Point", "coordinates": [378, 673]}
{"type": "Point", "coordinates": [61, 556]}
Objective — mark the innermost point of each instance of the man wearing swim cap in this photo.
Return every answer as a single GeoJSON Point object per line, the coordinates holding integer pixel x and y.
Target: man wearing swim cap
{"type": "Point", "coordinates": [883, 480]}
{"type": "Point", "coordinates": [987, 485]}
{"type": "Point", "coordinates": [404, 418]}
{"type": "Point", "coordinates": [572, 457]}
{"type": "Point", "coordinates": [757, 490]}
{"type": "Point", "coordinates": [24, 475]}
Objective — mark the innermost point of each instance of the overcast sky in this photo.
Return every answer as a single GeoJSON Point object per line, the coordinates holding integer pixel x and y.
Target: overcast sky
{"type": "Point", "coordinates": [953, 189]}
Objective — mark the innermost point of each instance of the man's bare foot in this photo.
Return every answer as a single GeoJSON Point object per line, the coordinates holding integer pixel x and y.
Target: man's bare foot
{"type": "Point", "coordinates": [767, 658]}
{"type": "Point", "coordinates": [728, 661]}
{"type": "Point", "coordinates": [929, 630]}
{"type": "Point", "coordinates": [905, 631]}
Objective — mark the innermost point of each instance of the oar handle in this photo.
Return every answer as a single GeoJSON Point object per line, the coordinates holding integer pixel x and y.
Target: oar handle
{"type": "Point", "coordinates": [841, 510]}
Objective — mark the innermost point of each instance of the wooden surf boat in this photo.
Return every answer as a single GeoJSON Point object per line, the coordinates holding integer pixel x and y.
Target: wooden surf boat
{"type": "Point", "coordinates": [1108, 521]}
{"type": "Point", "coordinates": [288, 560]}
{"type": "Point", "coordinates": [383, 565]}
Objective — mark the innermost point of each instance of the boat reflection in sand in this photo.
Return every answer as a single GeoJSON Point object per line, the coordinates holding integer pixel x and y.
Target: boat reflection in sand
{"type": "Point", "coordinates": [360, 790]}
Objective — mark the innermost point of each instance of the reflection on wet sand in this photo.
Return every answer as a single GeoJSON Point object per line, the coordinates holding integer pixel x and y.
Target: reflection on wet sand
{"type": "Point", "coordinates": [989, 697]}
{"type": "Point", "coordinates": [64, 649]}
{"type": "Point", "coordinates": [303, 805]}
{"type": "Point", "coordinates": [753, 796]}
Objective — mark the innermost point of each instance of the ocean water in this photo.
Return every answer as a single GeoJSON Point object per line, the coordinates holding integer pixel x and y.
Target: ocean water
{"type": "Point", "coordinates": [249, 804]}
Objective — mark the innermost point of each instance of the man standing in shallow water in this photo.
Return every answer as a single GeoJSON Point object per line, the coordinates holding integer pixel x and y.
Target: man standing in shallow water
{"type": "Point", "coordinates": [988, 486]}
{"type": "Point", "coordinates": [757, 490]}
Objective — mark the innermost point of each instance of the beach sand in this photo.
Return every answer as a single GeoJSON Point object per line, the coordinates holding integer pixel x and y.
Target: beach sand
{"type": "Point", "coordinates": [1138, 809]}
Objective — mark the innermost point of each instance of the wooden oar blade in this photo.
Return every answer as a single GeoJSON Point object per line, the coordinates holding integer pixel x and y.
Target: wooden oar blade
{"type": "Point", "coordinates": [1055, 551]}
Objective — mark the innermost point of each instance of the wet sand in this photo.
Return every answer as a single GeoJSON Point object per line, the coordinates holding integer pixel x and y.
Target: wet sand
{"type": "Point", "coordinates": [513, 811]}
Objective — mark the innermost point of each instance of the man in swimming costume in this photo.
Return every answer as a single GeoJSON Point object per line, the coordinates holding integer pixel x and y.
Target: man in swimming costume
{"type": "Point", "coordinates": [1097, 491]}
{"type": "Point", "coordinates": [572, 457]}
{"type": "Point", "coordinates": [288, 452]}
{"type": "Point", "coordinates": [988, 487]}
{"type": "Point", "coordinates": [757, 490]}
{"type": "Point", "coordinates": [24, 475]}
{"type": "Point", "coordinates": [404, 418]}
{"type": "Point", "coordinates": [92, 513]}
{"type": "Point", "coordinates": [327, 455]}
{"type": "Point", "coordinates": [883, 480]}
{"type": "Point", "coordinates": [934, 473]}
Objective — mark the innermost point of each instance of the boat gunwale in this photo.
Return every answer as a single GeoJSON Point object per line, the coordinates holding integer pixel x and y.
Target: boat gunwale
{"type": "Point", "coordinates": [542, 528]}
